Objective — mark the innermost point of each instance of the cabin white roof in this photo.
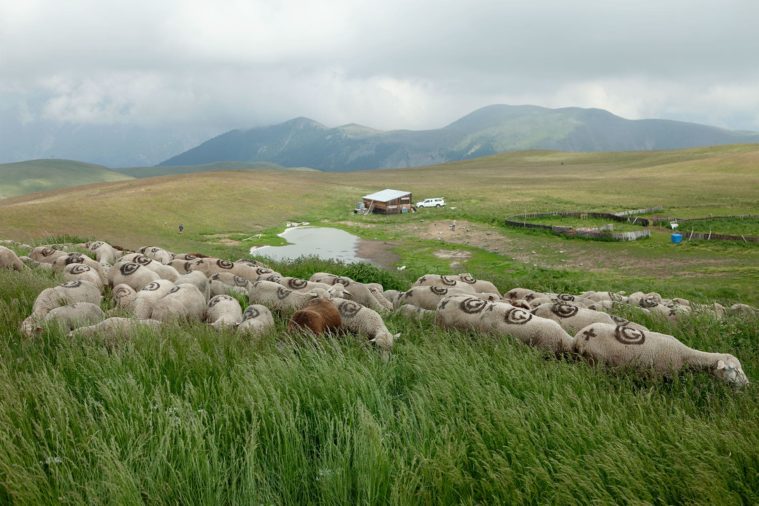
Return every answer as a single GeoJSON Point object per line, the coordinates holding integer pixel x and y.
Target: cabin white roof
{"type": "Point", "coordinates": [386, 195]}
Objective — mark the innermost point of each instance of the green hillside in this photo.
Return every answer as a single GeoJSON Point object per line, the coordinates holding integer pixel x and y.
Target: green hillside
{"type": "Point", "coordinates": [32, 176]}
{"type": "Point", "coordinates": [169, 170]}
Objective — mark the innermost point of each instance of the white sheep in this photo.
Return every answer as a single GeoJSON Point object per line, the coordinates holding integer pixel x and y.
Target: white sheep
{"type": "Point", "coordinates": [163, 271]}
{"type": "Point", "coordinates": [445, 282]}
{"type": "Point", "coordinates": [60, 263]}
{"type": "Point", "coordinates": [224, 283]}
{"type": "Point", "coordinates": [428, 296]}
{"type": "Point", "coordinates": [104, 252]}
{"type": "Point", "coordinates": [278, 298]}
{"type": "Point", "coordinates": [479, 285]}
{"type": "Point", "coordinates": [182, 303]}
{"type": "Point", "coordinates": [210, 266]}
{"type": "Point", "coordinates": [123, 296]}
{"type": "Point", "coordinates": [148, 296]}
{"type": "Point", "coordinates": [256, 320]}
{"type": "Point", "coordinates": [69, 292]}
{"type": "Point", "coordinates": [46, 254]}
{"type": "Point", "coordinates": [644, 300]}
{"type": "Point", "coordinates": [500, 318]}
{"type": "Point", "coordinates": [114, 330]}
{"type": "Point", "coordinates": [157, 254]}
{"type": "Point", "coordinates": [223, 311]}
{"type": "Point", "coordinates": [198, 279]}
{"type": "Point", "coordinates": [365, 322]}
{"type": "Point", "coordinates": [297, 284]}
{"type": "Point", "coordinates": [414, 313]}
{"type": "Point", "coordinates": [79, 314]}
{"type": "Point", "coordinates": [624, 346]}
{"type": "Point", "coordinates": [182, 266]}
{"type": "Point", "coordinates": [132, 274]}
{"type": "Point", "coordinates": [356, 291]}
{"type": "Point", "coordinates": [392, 296]}
{"type": "Point", "coordinates": [525, 294]}
{"type": "Point", "coordinates": [73, 272]}
{"type": "Point", "coordinates": [571, 318]}
{"type": "Point", "coordinates": [9, 259]}
{"type": "Point", "coordinates": [743, 310]}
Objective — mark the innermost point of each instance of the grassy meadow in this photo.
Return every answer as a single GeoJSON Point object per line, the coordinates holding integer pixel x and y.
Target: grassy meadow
{"type": "Point", "coordinates": [188, 415]}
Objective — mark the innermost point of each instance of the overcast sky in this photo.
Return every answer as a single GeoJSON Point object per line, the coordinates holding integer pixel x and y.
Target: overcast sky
{"type": "Point", "coordinates": [384, 63]}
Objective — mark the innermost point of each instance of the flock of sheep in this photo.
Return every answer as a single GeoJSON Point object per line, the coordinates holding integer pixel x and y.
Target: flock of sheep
{"type": "Point", "coordinates": [153, 286]}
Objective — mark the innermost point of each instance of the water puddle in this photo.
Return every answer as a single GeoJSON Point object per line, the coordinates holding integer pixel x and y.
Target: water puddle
{"type": "Point", "coordinates": [323, 242]}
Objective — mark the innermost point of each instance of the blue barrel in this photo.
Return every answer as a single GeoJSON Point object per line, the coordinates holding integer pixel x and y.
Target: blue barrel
{"type": "Point", "coordinates": [677, 238]}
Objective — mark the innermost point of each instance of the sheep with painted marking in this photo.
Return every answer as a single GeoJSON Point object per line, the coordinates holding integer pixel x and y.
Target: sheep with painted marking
{"type": "Point", "coordinates": [359, 292]}
{"type": "Point", "coordinates": [225, 283]}
{"type": "Point", "coordinates": [501, 318]}
{"type": "Point", "coordinates": [73, 316]}
{"type": "Point", "coordinates": [163, 271]}
{"type": "Point", "coordinates": [318, 316]}
{"type": "Point", "coordinates": [182, 303]}
{"type": "Point", "coordinates": [223, 312]}
{"type": "Point", "coordinates": [198, 279]}
{"type": "Point", "coordinates": [158, 254]}
{"type": "Point", "coordinates": [123, 296]}
{"type": "Point", "coordinates": [297, 284]}
{"type": "Point", "coordinates": [64, 294]}
{"type": "Point", "coordinates": [524, 294]}
{"type": "Point", "coordinates": [104, 253]}
{"type": "Point", "coordinates": [73, 272]}
{"type": "Point", "coordinates": [571, 318]}
{"type": "Point", "coordinates": [148, 296]}
{"type": "Point", "coordinates": [428, 296]}
{"type": "Point", "coordinates": [412, 312]}
{"type": "Point", "coordinates": [9, 259]}
{"type": "Point", "coordinates": [444, 282]}
{"type": "Point", "coordinates": [46, 254]}
{"type": "Point", "coordinates": [132, 274]}
{"type": "Point", "coordinates": [115, 330]}
{"type": "Point", "coordinates": [60, 263]}
{"type": "Point", "coordinates": [280, 299]}
{"type": "Point", "coordinates": [256, 320]}
{"type": "Point", "coordinates": [210, 266]}
{"type": "Point", "coordinates": [364, 321]}
{"type": "Point", "coordinates": [619, 346]}
{"type": "Point", "coordinates": [479, 285]}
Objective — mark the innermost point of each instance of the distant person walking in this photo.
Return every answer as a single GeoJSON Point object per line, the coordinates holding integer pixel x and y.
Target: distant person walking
{"type": "Point", "coordinates": [181, 228]}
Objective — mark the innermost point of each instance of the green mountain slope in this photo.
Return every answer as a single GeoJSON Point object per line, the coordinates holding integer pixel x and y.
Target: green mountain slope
{"type": "Point", "coordinates": [169, 170]}
{"type": "Point", "coordinates": [490, 130]}
{"type": "Point", "coordinates": [31, 176]}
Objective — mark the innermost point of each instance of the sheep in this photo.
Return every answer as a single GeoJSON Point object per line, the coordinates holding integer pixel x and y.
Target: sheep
{"type": "Point", "coordinates": [157, 254]}
{"type": "Point", "coordinates": [113, 330]}
{"type": "Point", "coordinates": [644, 300]}
{"type": "Point", "coordinates": [223, 283]}
{"type": "Point", "coordinates": [223, 311]}
{"type": "Point", "coordinates": [272, 276]}
{"type": "Point", "coordinates": [132, 274]}
{"type": "Point", "coordinates": [148, 295]}
{"type": "Point", "coordinates": [183, 302]}
{"type": "Point", "coordinates": [357, 292]}
{"type": "Point", "coordinates": [571, 318]}
{"type": "Point", "coordinates": [67, 293]}
{"type": "Point", "coordinates": [392, 296]}
{"type": "Point", "coordinates": [414, 312]}
{"type": "Point", "coordinates": [60, 263]}
{"type": "Point", "coordinates": [123, 296]}
{"type": "Point", "coordinates": [182, 266]}
{"type": "Point", "coordinates": [499, 318]}
{"type": "Point", "coordinates": [9, 260]}
{"type": "Point", "coordinates": [318, 316]}
{"type": "Point", "coordinates": [479, 285]}
{"type": "Point", "coordinates": [104, 252]}
{"type": "Point", "coordinates": [618, 346]}
{"type": "Point", "coordinates": [210, 266]}
{"type": "Point", "coordinates": [427, 296]}
{"type": "Point", "coordinates": [297, 284]}
{"type": "Point", "coordinates": [72, 272]}
{"type": "Point", "coordinates": [198, 279]}
{"type": "Point", "coordinates": [46, 254]}
{"type": "Point", "coordinates": [79, 314]}
{"type": "Point", "coordinates": [29, 262]}
{"type": "Point", "coordinates": [524, 294]}
{"type": "Point", "coordinates": [163, 271]}
{"type": "Point", "coordinates": [444, 282]}
{"type": "Point", "coordinates": [742, 309]}
{"type": "Point", "coordinates": [256, 320]}
{"type": "Point", "coordinates": [380, 296]}
{"type": "Point", "coordinates": [366, 322]}
{"type": "Point", "coordinates": [278, 298]}
{"type": "Point", "coordinates": [189, 256]}
{"type": "Point", "coordinates": [623, 322]}
{"type": "Point", "coordinates": [605, 297]}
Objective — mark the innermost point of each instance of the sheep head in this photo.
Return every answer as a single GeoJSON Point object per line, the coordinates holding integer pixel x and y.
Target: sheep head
{"type": "Point", "coordinates": [729, 369]}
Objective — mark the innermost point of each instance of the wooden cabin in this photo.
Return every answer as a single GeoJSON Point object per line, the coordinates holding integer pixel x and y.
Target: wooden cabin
{"type": "Point", "coordinates": [388, 202]}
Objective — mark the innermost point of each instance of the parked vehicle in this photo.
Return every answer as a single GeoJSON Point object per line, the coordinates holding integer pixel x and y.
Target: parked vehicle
{"type": "Point", "coordinates": [433, 202]}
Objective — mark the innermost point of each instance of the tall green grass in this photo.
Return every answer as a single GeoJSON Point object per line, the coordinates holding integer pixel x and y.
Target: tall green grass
{"type": "Point", "coordinates": [188, 415]}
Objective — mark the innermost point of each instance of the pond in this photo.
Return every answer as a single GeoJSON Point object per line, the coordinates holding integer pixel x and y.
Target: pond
{"type": "Point", "coordinates": [323, 242]}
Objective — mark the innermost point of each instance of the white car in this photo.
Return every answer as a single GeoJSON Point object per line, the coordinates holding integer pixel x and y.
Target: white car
{"type": "Point", "coordinates": [433, 202]}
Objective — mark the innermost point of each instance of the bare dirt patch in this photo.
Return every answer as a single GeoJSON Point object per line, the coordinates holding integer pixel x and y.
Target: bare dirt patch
{"type": "Point", "coordinates": [379, 252]}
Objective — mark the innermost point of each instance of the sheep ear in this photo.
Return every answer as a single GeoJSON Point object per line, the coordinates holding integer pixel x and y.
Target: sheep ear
{"type": "Point", "coordinates": [721, 365]}
{"type": "Point", "coordinates": [396, 336]}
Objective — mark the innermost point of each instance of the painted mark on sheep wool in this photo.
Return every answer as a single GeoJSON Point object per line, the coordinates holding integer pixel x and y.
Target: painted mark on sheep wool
{"type": "Point", "coordinates": [239, 281]}
{"type": "Point", "coordinates": [438, 290]}
{"type": "Point", "coordinates": [348, 309]}
{"type": "Point", "coordinates": [283, 293]}
{"type": "Point", "coordinates": [142, 260]}
{"type": "Point", "coordinates": [151, 287]}
{"type": "Point", "coordinates": [297, 284]}
{"type": "Point", "coordinates": [472, 305]}
{"type": "Point", "coordinates": [517, 316]}
{"type": "Point", "coordinates": [250, 313]}
{"type": "Point", "coordinates": [322, 242]}
{"type": "Point", "coordinates": [74, 258]}
{"type": "Point", "coordinates": [79, 269]}
{"type": "Point", "coordinates": [648, 302]}
{"type": "Point", "coordinates": [448, 281]}
{"type": "Point", "coordinates": [566, 297]}
{"type": "Point", "coordinates": [564, 310]}
{"type": "Point", "coordinates": [128, 268]}
{"type": "Point", "coordinates": [121, 292]}
{"type": "Point", "coordinates": [627, 335]}
{"type": "Point", "coordinates": [225, 264]}
{"type": "Point", "coordinates": [466, 278]}
{"type": "Point", "coordinates": [218, 299]}
{"type": "Point", "coordinates": [71, 284]}
{"type": "Point", "coordinates": [589, 333]}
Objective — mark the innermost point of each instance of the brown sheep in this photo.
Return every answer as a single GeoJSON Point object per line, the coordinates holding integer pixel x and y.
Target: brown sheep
{"type": "Point", "coordinates": [318, 316]}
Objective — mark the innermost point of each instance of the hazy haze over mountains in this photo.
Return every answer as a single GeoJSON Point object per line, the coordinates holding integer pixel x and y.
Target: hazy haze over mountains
{"type": "Point", "coordinates": [493, 129]}
{"type": "Point", "coordinates": [134, 83]}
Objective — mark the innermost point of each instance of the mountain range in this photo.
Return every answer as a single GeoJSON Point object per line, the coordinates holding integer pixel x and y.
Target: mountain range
{"type": "Point", "coordinates": [302, 142]}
